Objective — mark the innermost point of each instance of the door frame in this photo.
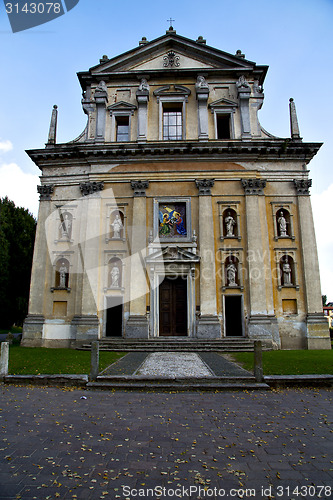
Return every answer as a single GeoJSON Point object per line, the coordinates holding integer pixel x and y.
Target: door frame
{"type": "Point", "coordinates": [186, 271]}
{"type": "Point", "coordinates": [225, 316]}
{"type": "Point", "coordinates": [107, 298]}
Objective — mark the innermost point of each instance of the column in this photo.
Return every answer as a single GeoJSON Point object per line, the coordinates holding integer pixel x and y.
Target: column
{"type": "Point", "coordinates": [137, 324]}
{"type": "Point", "coordinates": [262, 323]}
{"type": "Point", "coordinates": [208, 324]}
{"type": "Point", "coordinates": [317, 327]}
{"type": "Point", "coordinates": [34, 322]}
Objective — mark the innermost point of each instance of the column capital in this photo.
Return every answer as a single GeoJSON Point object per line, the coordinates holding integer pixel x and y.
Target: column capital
{"type": "Point", "coordinates": [253, 186]}
{"type": "Point", "coordinates": [88, 188]}
{"type": "Point", "coordinates": [302, 186]}
{"type": "Point", "coordinates": [45, 192]}
{"type": "Point", "coordinates": [204, 186]}
{"type": "Point", "coordinates": [139, 187]}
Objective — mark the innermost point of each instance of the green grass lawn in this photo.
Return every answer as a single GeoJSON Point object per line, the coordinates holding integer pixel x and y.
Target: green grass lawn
{"type": "Point", "coordinates": [13, 329]}
{"type": "Point", "coordinates": [39, 360]}
{"type": "Point", "coordinates": [290, 362]}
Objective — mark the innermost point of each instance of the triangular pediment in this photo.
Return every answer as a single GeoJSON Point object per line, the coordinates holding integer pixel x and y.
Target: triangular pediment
{"type": "Point", "coordinates": [172, 254]}
{"type": "Point", "coordinates": [122, 106]}
{"type": "Point", "coordinates": [172, 52]}
{"type": "Point", "coordinates": [223, 103]}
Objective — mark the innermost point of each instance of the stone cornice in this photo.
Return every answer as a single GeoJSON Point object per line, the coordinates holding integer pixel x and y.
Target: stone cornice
{"type": "Point", "coordinates": [236, 150]}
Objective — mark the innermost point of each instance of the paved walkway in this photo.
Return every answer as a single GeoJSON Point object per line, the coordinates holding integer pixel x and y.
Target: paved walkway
{"type": "Point", "coordinates": [171, 364]}
{"type": "Point", "coordinates": [74, 444]}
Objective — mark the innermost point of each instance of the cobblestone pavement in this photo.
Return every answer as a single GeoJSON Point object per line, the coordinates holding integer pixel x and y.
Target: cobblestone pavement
{"type": "Point", "coordinates": [226, 444]}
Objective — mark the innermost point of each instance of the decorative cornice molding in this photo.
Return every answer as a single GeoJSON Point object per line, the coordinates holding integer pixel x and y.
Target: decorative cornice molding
{"type": "Point", "coordinates": [270, 149]}
{"type": "Point", "coordinates": [45, 192]}
{"type": "Point", "coordinates": [88, 188]}
{"type": "Point", "coordinates": [253, 186]}
{"type": "Point", "coordinates": [204, 186]}
{"type": "Point", "coordinates": [302, 186]}
{"type": "Point", "coordinates": [139, 187]}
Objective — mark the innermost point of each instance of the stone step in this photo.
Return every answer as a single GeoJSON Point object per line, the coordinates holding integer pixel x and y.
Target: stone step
{"type": "Point", "coordinates": [166, 384]}
{"type": "Point", "coordinates": [180, 345]}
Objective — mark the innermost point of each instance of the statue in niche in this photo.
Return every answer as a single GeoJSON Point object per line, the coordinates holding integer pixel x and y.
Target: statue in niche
{"type": "Point", "coordinates": [282, 225]}
{"type": "Point", "coordinates": [144, 85]}
{"type": "Point", "coordinates": [229, 224]}
{"type": "Point", "coordinates": [62, 275]}
{"type": "Point", "coordinates": [286, 270]}
{"type": "Point", "coordinates": [231, 274]}
{"type": "Point", "coordinates": [117, 226]}
{"type": "Point", "coordinates": [201, 83]}
{"type": "Point", "coordinates": [115, 276]}
{"type": "Point", "coordinates": [65, 227]}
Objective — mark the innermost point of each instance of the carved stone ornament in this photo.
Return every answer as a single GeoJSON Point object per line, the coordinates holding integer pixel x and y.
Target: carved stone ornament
{"type": "Point", "coordinates": [253, 186]}
{"type": "Point", "coordinates": [139, 187]}
{"type": "Point", "coordinates": [45, 192]}
{"type": "Point", "coordinates": [302, 185]}
{"type": "Point", "coordinates": [88, 188]}
{"type": "Point", "coordinates": [204, 186]}
{"type": "Point", "coordinates": [170, 60]}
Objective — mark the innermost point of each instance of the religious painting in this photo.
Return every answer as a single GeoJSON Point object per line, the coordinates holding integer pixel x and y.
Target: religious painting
{"type": "Point", "coordinates": [172, 220]}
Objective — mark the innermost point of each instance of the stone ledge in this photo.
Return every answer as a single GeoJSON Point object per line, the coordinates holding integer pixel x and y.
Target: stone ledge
{"type": "Point", "coordinates": [52, 380]}
{"type": "Point", "coordinates": [297, 380]}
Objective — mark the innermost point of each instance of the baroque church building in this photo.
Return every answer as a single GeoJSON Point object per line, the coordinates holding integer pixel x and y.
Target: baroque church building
{"type": "Point", "coordinates": [175, 213]}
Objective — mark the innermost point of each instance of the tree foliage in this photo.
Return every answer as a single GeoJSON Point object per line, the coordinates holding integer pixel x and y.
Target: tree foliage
{"type": "Point", "coordinates": [17, 236]}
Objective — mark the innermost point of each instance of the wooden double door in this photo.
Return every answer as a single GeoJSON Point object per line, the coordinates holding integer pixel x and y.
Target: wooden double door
{"type": "Point", "coordinates": [173, 307]}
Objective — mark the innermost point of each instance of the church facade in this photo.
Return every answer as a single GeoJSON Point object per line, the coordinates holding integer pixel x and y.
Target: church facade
{"type": "Point", "coordinates": [175, 213]}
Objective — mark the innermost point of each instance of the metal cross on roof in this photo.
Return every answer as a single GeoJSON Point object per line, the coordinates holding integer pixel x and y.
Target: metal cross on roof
{"type": "Point", "coordinates": [170, 21]}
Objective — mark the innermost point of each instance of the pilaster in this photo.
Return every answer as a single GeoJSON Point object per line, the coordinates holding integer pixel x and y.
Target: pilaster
{"type": "Point", "coordinates": [202, 92]}
{"type": "Point", "coordinates": [208, 323]}
{"type": "Point", "coordinates": [34, 322]}
{"type": "Point", "coordinates": [137, 324]}
{"type": "Point", "coordinates": [317, 327]}
{"type": "Point", "coordinates": [142, 97]}
{"type": "Point", "coordinates": [262, 323]}
{"type": "Point", "coordinates": [101, 99]}
{"type": "Point", "coordinates": [244, 94]}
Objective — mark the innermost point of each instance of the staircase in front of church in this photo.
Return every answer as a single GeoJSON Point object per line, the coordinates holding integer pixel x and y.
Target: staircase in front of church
{"type": "Point", "coordinates": [179, 344]}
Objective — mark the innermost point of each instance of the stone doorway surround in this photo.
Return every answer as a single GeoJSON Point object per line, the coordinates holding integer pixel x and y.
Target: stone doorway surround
{"type": "Point", "coordinates": [172, 261]}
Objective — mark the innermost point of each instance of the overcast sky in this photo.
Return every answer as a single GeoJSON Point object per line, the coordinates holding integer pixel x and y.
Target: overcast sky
{"type": "Point", "coordinates": [293, 37]}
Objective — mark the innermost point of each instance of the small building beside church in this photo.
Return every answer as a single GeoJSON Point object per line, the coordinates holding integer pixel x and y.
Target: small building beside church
{"type": "Point", "coordinates": [174, 213]}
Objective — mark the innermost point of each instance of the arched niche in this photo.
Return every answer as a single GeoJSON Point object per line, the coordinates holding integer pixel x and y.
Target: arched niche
{"type": "Point", "coordinates": [62, 273]}
{"type": "Point", "coordinates": [283, 223]}
{"type": "Point", "coordinates": [231, 267]}
{"type": "Point", "coordinates": [116, 225]}
{"type": "Point", "coordinates": [65, 226]}
{"type": "Point", "coordinates": [287, 271]}
{"type": "Point", "coordinates": [230, 227]}
{"type": "Point", "coordinates": [114, 273]}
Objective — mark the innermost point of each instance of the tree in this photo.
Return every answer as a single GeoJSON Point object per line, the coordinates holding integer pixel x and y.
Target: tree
{"type": "Point", "coordinates": [17, 236]}
{"type": "Point", "coordinates": [324, 299]}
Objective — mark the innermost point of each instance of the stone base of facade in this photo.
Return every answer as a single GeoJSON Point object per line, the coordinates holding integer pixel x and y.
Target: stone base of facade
{"type": "Point", "coordinates": [318, 335]}
{"type": "Point", "coordinates": [208, 327]}
{"type": "Point", "coordinates": [137, 328]}
{"type": "Point", "coordinates": [264, 328]}
{"type": "Point", "coordinates": [33, 331]}
{"type": "Point", "coordinates": [85, 328]}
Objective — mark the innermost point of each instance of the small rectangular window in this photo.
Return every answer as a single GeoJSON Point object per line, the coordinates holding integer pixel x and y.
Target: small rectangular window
{"type": "Point", "coordinates": [172, 123]}
{"type": "Point", "coordinates": [223, 126]}
{"type": "Point", "coordinates": [122, 128]}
